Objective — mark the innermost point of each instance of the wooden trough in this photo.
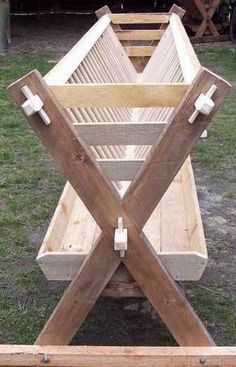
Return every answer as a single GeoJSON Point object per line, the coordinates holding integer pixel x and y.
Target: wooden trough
{"type": "Point", "coordinates": [121, 139]}
{"type": "Point", "coordinates": [128, 221]}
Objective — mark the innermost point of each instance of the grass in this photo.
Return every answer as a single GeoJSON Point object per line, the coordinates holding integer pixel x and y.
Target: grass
{"type": "Point", "coordinates": [29, 189]}
{"type": "Point", "coordinates": [219, 150]}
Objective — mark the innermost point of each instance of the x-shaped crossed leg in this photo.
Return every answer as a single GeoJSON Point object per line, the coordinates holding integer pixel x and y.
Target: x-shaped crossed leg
{"type": "Point", "coordinates": [207, 17]}
{"type": "Point", "coordinates": [103, 202]}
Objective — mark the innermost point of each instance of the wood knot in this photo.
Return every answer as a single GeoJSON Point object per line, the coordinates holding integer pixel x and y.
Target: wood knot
{"type": "Point", "coordinates": [80, 157]}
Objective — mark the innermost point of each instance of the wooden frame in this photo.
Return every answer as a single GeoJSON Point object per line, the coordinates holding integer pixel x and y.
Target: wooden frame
{"type": "Point", "coordinates": [83, 167]}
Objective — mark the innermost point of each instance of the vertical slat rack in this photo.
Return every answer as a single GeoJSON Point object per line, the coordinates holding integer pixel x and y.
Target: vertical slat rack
{"type": "Point", "coordinates": [128, 221]}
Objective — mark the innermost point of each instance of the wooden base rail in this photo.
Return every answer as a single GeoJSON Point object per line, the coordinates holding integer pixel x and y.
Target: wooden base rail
{"type": "Point", "coordinates": [83, 356]}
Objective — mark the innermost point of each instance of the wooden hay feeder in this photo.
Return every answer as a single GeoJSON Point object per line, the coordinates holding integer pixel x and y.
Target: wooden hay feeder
{"type": "Point", "coordinates": [97, 72]}
{"type": "Point", "coordinates": [128, 221]}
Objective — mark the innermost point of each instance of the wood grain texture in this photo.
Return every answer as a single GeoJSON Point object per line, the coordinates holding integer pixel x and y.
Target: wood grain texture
{"type": "Point", "coordinates": [188, 60]}
{"type": "Point", "coordinates": [119, 95]}
{"type": "Point", "coordinates": [120, 169]}
{"type": "Point", "coordinates": [140, 35]}
{"type": "Point", "coordinates": [139, 51]}
{"type": "Point", "coordinates": [178, 240]}
{"type": "Point", "coordinates": [139, 18]}
{"type": "Point", "coordinates": [173, 147]}
{"type": "Point", "coordinates": [69, 63]}
{"type": "Point", "coordinates": [124, 133]}
{"type": "Point", "coordinates": [81, 294]}
{"type": "Point", "coordinates": [102, 201]}
{"type": "Point", "coordinates": [84, 356]}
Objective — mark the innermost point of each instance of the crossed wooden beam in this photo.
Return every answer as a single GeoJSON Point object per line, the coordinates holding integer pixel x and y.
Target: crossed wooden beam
{"type": "Point", "coordinates": [102, 200]}
{"type": "Point", "coordinates": [207, 14]}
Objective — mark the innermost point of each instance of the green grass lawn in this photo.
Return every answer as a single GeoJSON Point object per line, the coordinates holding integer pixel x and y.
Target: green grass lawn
{"type": "Point", "coordinates": [31, 185]}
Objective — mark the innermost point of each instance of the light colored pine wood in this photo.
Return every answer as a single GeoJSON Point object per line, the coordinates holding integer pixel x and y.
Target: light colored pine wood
{"type": "Point", "coordinates": [139, 18]}
{"type": "Point", "coordinates": [120, 169]}
{"type": "Point", "coordinates": [123, 133]}
{"type": "Point", "coordinates": [139, 51]}
{"type": "Point", "coordinates": [188, 60]}
{"type": "Point", "coordinates": [67, 65]}
{"type": "Point", "coordinates": [170, 235]}
{"type": "Point", "coordinates": [81, 356]}
{"type": "Point", "coordinates": [73, 356]}
{"type": "Point", "coordinates": [140, 35]}
{"type": "Point", "coordinates": [119, 95]}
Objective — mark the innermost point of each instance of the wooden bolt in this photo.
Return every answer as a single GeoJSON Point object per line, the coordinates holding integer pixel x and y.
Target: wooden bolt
{"type": "Point", "coordinates": [121, 238]}
{"type": "Point", "coordinates": [33, 105]}
{"type": "Point", "coordinates": [204, 104]}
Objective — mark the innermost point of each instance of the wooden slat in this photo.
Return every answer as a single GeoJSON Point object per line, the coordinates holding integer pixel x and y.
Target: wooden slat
{"type": "Point", "coordinates": [67, 65]}
{"type": "Point", "coordinates": [139, 51]}
{"type": "Point", "coordinates": [189, 62]}
{"type": "Point", "coordinates": [119, 95]}
{"type": "Point", "coordinates": [84, 356]}
{"type": "Point", "coordinates": [120, 169]}
{"type": "Point", "coordinates": [140, 35]}
{"type": "Point", "coordinates": [138, 18]}
{"type": "Point", "coordinates": [120, 133]}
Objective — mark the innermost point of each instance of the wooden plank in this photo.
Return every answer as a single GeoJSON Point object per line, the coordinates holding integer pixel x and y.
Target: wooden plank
{"type": "Point", "coordinates": [84, 356]}
{"type": "Point", "coordinates": [189, 62]}
{"type": "Point", "coordinates": [105, 205]}
{"type": "Point", "coordinates": [196, 233]}
{"type": "Point", "coordinates": [60, 219]}
{"type": "Point", "coordinates": [118, 289]}
{"type": "Point", "coordinates": [140, 35]}
{"type": "Point", "coordinates": [120, 169]}
{"type": "Point", "coordinates": [139, 51]}
{"type": "Point", "coordinates": [173, 147]}
{"type": "Point", "coordinates": [138, 18]}
{"type": "Point", "coordinates": [119, 95]}
{"type": "Point", "coordinates": [120, 133]}
{"type": "Point", "coordinates": [69, 63]}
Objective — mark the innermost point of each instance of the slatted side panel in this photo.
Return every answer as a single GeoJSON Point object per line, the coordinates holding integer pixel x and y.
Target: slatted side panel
{"type": "Point", "coordinates": [105, 63]}
{"type": "Point", "coordinates": [163, 67]}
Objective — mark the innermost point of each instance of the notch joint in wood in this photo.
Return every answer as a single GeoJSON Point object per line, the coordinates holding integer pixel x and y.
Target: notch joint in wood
{"type": "Point", "coordinates": [121, 238]}
{"type": "Point", "coordinates": [204, 104]}
{"type": "Point", "coordinates": [33, 104]}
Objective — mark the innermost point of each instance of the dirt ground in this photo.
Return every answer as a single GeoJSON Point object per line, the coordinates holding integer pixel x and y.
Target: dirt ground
{"type": "Point", "coordinates": [133, 322]}
{"type": "Point", "coordinates": [53, 33]}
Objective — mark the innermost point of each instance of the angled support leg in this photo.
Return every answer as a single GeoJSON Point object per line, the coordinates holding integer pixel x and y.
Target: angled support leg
{"type": "Point", "coordinates": [105, 205]}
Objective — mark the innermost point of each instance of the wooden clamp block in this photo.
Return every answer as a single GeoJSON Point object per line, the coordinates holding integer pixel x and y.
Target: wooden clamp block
{"type": "Point", "coordinates": [121, 238]}
{"type": "Point", "coordinates": [33, 105]}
